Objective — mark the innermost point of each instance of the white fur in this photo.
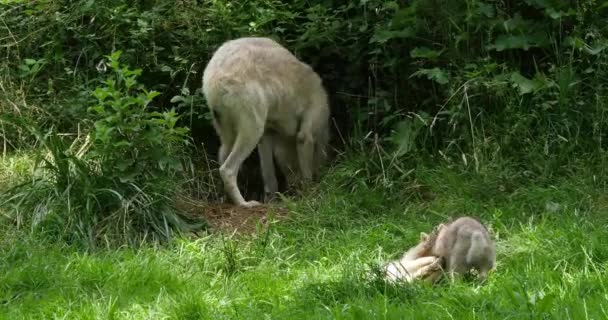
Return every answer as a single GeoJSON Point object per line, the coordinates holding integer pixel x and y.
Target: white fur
{"type": "Point", "coordinates": [416, 263]}
{"type": "Point", "coordinates": [262, 95]}
{"type": "Point", "coordinates": [407, 270]}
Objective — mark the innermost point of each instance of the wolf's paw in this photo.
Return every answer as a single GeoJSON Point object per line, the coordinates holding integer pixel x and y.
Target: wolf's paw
{"type": "Point", "coordinates": [250, 204]}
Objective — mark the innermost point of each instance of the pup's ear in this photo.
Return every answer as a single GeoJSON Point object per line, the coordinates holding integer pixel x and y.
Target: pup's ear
{"type": "Point", "coordinates": [423, 236]}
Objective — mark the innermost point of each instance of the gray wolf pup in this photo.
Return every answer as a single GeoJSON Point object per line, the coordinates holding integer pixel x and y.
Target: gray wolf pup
{"type": "Point", "coordinates": [465, 244]}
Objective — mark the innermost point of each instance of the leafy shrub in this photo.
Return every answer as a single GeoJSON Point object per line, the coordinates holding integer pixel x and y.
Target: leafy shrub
{"type": "Point", "coordinates": [118, 182]}
{"type": "Point", "coordinates": [131, 141]}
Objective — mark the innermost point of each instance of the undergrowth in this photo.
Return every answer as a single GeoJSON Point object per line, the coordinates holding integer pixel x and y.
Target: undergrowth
{"type": "Point", "coordinates": [114, 184]}
{"type": "Point", "coordinates": [479, 83]}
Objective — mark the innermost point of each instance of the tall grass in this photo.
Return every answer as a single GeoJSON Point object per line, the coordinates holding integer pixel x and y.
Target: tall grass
{"type": "Point", "coordinates": [551, 259]}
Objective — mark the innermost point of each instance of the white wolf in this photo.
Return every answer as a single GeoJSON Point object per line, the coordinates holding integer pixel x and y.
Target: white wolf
{"type": "Point", "coordinates": [261, 95]}
{"type": "Point", "coordinates": [465, 244]}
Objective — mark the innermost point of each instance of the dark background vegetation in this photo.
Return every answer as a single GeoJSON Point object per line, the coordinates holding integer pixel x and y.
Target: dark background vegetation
{"type": "Point", "coordinates": [480, 82]}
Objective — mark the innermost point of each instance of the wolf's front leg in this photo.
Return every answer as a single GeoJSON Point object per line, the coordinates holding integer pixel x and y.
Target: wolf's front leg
{"type": "Point", "coordinates": [305, 155]}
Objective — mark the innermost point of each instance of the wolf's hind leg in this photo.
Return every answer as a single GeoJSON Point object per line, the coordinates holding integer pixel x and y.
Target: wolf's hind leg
{"type": "Point", "coordinates": [271, 186]}
{"type": "Point", "coordinates": [248, 135]}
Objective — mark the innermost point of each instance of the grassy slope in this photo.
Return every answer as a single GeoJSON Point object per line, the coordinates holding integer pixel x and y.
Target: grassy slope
{"type": "Point", "coordinates": [551, 259]}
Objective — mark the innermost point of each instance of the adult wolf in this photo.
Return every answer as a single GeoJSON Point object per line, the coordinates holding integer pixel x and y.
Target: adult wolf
{"type": "Point", "coordinates": [261, 95]}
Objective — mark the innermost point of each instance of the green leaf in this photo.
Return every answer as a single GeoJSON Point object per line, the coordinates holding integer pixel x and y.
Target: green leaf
{"type": "Point", "coordinates": [435, 74]}
{"type": "Point", "coordinates": [24, 68]}
{"type": "Point", "coordinates": [152, 94]}
{"type": "Point", "coordinates": [580, 44]}
{"type": "Point", "coordinates": [425, 53]}
{"type": "Point", "coordinates": [404, 135]}
{"type": "Point", "coordinates": [115, 55]}
{"type": "Point", "coordinates": [517, 23]}
{"type": "Point", "coordinates": [524, 84]}
{"type": "Point", "coordinates": [176, 99]}
{"type": "Point", "coordinates": [383, 36]}
{"type": "Point", "coordinates": [522, 41]}
{"type": "Point", "coordinates": [486, 9]}
{"type": "Point", "coordinates": [121, 144]}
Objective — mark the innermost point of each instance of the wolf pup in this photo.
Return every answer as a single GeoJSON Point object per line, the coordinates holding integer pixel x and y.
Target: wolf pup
{"type": "Point", "coordinates": [465, 244]}
{"type": "Point", "coordinates": [416, 263]}
{"type": "Point", "coordinates": [261, 95]}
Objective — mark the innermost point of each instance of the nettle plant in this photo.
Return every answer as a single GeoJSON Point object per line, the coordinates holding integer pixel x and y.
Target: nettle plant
{"type": "Point", "coordinates": [116, 186]}
{"type": "Point", "coordinates": [131, 141]}
{"type": "Point", "coordinates": [134, 157]}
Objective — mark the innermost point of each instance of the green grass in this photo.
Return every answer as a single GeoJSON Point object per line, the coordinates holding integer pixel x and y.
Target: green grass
{"type": "Point", "coordinates": [550, 242]}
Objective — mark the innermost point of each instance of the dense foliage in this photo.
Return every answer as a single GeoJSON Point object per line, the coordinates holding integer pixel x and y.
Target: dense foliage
{"type": "Point", "coordinates": [472, 80]}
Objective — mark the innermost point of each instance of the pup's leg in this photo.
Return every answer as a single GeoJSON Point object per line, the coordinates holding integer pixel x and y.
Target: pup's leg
{"type": "Point", "coordinates": [429, 269]}
{"type": "Point", "coordinates": [248, 135]}
{"type": "Point", "coordinates": [422, 249]}
{"type": "Point", "coordinates": [456, 264]}
{"type": "Point", "coordinates": [397, 271]}
{"type": "Point", "coordinates": [416, 265]}
{"type": "Point", "coordinates": [410, 270]}
{"type": "Point", "coordinates": [271, 186]}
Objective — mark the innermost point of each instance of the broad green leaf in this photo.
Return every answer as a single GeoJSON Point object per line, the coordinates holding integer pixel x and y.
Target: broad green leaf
{"type": "Point", "coordinates": [435, 74]}
{"type": "Point", "coordinates": [176, 99]}
{"type": "Point", "coordinates": [404, 135]}
{"type": "Point", "coordinates": [524, 84]}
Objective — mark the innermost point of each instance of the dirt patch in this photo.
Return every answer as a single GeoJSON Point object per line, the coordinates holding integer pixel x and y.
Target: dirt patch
{"type": "Point", "coordinates": [229, 218]}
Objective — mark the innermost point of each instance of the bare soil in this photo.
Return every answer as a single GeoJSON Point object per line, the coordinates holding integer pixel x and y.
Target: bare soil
{"type": "Point", "coordinates": [226, 217]}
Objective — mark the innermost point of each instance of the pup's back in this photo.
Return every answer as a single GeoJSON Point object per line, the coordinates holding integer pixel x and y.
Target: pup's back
{"type": "Point", "coordinates": [465, 244]}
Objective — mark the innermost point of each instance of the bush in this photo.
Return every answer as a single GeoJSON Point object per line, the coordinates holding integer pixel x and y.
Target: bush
{"type": "Point", "coordinates": [117, 183]}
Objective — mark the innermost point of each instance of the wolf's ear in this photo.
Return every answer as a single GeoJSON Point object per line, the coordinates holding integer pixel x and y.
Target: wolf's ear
{"type": "Point", "coordinates": [423, 236]}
